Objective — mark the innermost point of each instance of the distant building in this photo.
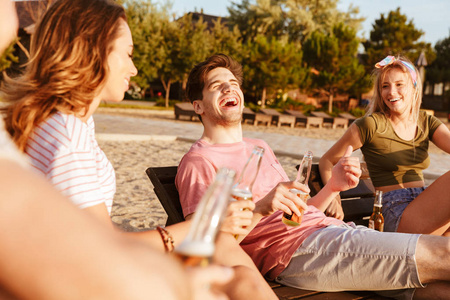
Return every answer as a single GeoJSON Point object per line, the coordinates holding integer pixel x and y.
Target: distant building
{"type": "Point", "coordinates": [208, 19]}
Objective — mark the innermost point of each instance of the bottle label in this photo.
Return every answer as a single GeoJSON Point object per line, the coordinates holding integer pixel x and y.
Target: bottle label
{"type": "Point", "coordinates": [371, 224]}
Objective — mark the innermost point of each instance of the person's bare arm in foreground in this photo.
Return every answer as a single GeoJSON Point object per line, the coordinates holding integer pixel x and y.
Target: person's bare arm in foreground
{"type": "Point", "coordinates": [52, 250]}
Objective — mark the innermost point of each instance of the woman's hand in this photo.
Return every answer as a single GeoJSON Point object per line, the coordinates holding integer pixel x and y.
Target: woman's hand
{"type": "Point", "coordinates": [208, 282]}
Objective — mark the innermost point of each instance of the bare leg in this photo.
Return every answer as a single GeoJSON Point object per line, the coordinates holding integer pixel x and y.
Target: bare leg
{"type": "Point", "coordinates": [432, 256]}
{"type": "Point", "coordinates": [429, 213]}
{"type": "Point", "coordinates": [437, 290]}
{"type": "Point", "coordinates": [433, 266]}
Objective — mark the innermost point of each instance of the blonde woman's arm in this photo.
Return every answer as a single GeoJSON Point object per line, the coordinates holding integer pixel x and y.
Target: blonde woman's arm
{"type": "Point", "coordinates": [350, 138]}
{"type": "Point", "coordinates": [441, 138]}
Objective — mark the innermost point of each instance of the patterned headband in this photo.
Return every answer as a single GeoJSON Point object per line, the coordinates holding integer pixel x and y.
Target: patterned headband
{"type": "Point", "coordinates": [391, 59]}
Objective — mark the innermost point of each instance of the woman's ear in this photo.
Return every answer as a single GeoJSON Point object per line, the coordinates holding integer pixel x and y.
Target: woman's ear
{"type": "Point", "coordinates": [198, 106]}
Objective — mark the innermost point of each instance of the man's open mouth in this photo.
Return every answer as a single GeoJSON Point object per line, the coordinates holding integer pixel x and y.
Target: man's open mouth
{"type": "Point", "coordinates": [228, 102]}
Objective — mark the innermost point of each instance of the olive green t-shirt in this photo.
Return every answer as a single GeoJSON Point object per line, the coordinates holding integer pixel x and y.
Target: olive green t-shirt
{"type": "Point", "coordinates": [390, 159]}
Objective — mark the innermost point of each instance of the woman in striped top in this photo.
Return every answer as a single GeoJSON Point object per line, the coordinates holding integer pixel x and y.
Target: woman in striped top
{"type": "Point", "coordinates": [50, 116]}
{"type": "Point", "coordinates": [81, 54]}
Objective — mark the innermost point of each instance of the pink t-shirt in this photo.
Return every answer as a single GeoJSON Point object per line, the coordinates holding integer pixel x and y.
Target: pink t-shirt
{"type": "Point", "coordinates": [271, 243]}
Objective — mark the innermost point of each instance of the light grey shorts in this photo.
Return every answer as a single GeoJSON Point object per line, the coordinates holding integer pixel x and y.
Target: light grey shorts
{"type": "Point", "coordinates": [350, 257]}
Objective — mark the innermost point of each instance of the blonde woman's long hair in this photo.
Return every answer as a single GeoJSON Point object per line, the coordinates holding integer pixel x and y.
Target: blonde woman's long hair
{"type": "Point", "coordinates": [68, 65]}
{"type": "Point", "coordinates": [377, 104]}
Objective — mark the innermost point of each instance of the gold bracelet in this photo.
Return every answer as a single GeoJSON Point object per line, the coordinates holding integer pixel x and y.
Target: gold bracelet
{"type": "Point", "coordinates": [166, 238]}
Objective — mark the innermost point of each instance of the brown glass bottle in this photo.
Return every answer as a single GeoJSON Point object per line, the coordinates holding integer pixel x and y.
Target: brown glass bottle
{"type": "Point", "coordinates": [302, 177]}
{"type": "Point", "coordinates": [376, 220]}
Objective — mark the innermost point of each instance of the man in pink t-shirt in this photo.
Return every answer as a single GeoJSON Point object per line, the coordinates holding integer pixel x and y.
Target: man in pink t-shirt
{"type": "Point", "coordinates": [323, 253]}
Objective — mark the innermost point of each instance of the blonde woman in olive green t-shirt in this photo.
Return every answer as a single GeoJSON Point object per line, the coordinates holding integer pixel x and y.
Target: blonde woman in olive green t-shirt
{"type": "Point", "coordinates": [394, 138]}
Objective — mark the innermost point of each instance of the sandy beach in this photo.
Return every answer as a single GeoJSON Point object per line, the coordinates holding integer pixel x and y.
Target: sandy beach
{"type": "Point", "coordinates": [135, 139]}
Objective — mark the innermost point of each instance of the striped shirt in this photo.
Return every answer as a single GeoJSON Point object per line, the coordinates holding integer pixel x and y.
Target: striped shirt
{"type": "Point", "coordinates": [65, 150]}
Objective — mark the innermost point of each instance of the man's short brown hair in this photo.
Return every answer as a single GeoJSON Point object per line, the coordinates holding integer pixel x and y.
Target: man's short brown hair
{"type": "Point", "coordinates": [197, 76]}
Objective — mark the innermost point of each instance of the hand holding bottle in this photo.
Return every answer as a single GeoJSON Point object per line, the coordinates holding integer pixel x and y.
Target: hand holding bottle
{"type": "Point", "coordinates": [239, 217]}
{"type": "Point", "coordinates": [242, 190]}
{"type": "Point", "coordinates": [303, 173]}
{"type": "Point", "coordinates": [280, 198]}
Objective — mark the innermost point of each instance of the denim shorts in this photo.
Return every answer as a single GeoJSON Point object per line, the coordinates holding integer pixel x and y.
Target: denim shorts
{"type": "Point", "coordinates": [350, 257]}
{"type": "Point", "coordinates": [395, 203]}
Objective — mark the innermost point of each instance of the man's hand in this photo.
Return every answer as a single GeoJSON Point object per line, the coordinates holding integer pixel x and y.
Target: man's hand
{"type": "Point", "coordinates": [280, 198]}
{"type": "Point", "coordinates": [345, 174]}
{"type": "Point", "coordinates": [239, 217]}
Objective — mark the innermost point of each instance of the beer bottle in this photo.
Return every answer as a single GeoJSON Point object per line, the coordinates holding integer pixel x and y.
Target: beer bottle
{"type": "Point", "coordinates": [376, 220]}
{"type": "Point", "coordinates": [242, 190]}
{"type": "Point", "coordinates": [302, 176]}
{"type": "Point", "coordinates": [198, 246]}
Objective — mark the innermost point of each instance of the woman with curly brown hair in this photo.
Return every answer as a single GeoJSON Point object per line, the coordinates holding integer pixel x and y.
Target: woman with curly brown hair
{"type": "Point", "coordinates": [81, 54]}
{"type": "Point", "coordinates": [52, 250]}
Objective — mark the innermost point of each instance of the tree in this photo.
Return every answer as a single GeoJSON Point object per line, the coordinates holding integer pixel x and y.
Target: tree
{"type": "Point", "coordinates": [146, 23]}
{"type": "Point", "coordinates": [7, 58]}
{"type": "Point", "coordinates": [271, 64]}
{"type": "Point", "coordinates": [185, 44]}
{"type": "Point", "coordinates": [439, 70]}
{"type": "Point", "coordinates": [225, 40]}
{"type": "Point", "coordinates": [333, 57]}
{"type": "Point", "coordinates": [296, 19]}
{"type": "Point", "coordinates": [392, 35]}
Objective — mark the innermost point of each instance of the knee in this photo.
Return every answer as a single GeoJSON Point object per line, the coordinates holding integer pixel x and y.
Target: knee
{"type": "Point", "coordinates": [247, 284]}
{"type": "Point", "coordinates": [247, 277]}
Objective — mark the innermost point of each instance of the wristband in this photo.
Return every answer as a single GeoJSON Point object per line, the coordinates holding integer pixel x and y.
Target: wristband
{"type": "Point", "coordinates": [166, 238]}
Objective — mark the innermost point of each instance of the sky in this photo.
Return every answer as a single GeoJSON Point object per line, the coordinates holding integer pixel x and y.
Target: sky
{"type": "Point", "coordinates": [430, 16]}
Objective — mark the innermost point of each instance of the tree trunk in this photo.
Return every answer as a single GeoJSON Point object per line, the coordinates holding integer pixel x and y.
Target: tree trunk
{"type": "Point", "coordinates": [183, 86]}
{"type": "Point", "coordinates": [330, 103]}
{"type": "Point", "coordinates": [167, 89]}
{"type": "Point", "coordinates": [143, 91]}
{"type": "Point", "coordinates": [263, 98]}
{"type": "Point", "coordinates": [168, 93]}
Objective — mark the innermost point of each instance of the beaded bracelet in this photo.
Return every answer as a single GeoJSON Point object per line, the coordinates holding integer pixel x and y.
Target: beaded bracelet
{"type": "Point", "coordinates": [166, 238]}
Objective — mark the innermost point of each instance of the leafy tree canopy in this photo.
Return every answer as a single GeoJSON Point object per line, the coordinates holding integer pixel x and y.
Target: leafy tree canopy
{"type": "Point", "coordinates": [296, 19]}
{"type": "Point", "coordinates": [439, 70]}
{"type": "Point", "coordinates": [334, 59]}
{"type": "Point", "coordinates": [7, 57]}
{"type": "Point", "coordinates": [270, 64]}
{"type": "Point", "coordinates": [147, 22]}
{"type": "Point", "coordinates": [395, 35]}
